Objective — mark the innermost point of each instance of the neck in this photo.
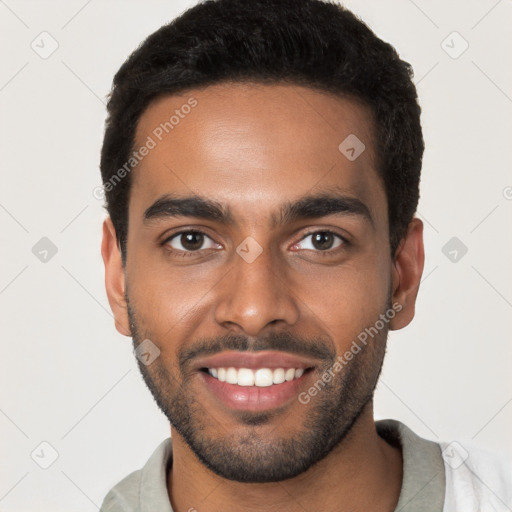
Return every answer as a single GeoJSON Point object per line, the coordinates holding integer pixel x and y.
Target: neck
{"type": "Point", "coordinates": [362, 473]}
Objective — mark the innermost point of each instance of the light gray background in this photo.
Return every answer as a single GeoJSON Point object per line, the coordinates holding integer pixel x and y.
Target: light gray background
{"type": "Point", "coordinates": [67, 376]}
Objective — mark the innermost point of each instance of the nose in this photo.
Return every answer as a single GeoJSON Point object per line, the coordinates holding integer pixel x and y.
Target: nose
{"type": "Point", "coordinates": [255, 295]}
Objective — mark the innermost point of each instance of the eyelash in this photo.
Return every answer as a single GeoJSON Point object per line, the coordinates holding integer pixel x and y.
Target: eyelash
{"type": "Point", "coordinates": [327, 252]}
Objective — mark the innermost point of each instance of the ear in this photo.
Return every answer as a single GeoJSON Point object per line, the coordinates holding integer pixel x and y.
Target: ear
{"type": "Point", "coordinates": [114, 277]}
{"type": "Point", "coordinates": [407, 271]}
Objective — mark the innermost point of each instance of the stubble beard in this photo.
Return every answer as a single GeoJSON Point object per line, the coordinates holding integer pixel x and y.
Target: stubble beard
{"type": "Point", "coordinates": [248, 454]}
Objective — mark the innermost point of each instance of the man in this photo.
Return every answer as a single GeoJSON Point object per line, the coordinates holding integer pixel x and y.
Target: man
{"type": "Point", "coordinates": [261, 164]}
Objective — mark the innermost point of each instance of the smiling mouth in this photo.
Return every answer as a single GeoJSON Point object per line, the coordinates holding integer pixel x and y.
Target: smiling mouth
{"type": "Point", "coordinates": [260, 377]}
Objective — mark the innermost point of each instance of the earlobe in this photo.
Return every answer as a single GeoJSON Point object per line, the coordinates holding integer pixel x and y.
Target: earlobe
{"type": "Point", "coordinates": [114, 277]}
{"type": "Point", "coordinates": [407, 270]}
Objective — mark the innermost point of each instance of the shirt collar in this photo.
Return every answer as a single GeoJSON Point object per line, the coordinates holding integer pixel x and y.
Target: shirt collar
{"type": "Point", "coordinates": [423, 483]}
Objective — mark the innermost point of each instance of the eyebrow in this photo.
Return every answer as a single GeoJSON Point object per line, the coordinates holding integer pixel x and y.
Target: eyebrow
{"type": "Point", "coordinates": [307, 207]}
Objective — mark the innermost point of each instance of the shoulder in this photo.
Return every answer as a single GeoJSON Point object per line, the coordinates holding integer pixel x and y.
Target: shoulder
{"type": "Point", "coordinates": [147, 485]}
{"type": "Point", "coordinates": [476, 479]}
{"type": "Point", "coordinates": [125, 495]}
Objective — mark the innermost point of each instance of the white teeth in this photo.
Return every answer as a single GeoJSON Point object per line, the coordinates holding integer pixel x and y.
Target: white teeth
{"type": "Point", "coordinates": [262, 377]}
{"type": "Point", "coordinates": [278, 377]}
{"type": "Point", "coordinates": [290, 374]}
{"type": "Point", "coordinates": [245, 377]}
{"type": "Point", "coordinates": [232, 376]}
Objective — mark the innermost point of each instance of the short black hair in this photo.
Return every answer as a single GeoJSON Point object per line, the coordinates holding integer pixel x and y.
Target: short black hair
{"type": "Point", "coordinates": [313, 43]}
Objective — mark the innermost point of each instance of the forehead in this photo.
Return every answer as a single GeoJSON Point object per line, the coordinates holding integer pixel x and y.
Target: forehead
{"type": "Point", "coordinates": [252, 145]}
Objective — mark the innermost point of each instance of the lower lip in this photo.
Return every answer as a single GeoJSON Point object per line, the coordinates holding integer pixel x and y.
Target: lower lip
{"type": "Point", "coordinates": [253, 398]}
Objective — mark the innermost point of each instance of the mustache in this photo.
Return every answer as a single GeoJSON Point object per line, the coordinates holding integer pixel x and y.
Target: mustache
{"type": "Point", "coordinates": [317, 348]}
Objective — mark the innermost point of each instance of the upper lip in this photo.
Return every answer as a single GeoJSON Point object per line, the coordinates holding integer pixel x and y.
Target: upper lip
{"type": "Point", "coordinates": [253, 360]}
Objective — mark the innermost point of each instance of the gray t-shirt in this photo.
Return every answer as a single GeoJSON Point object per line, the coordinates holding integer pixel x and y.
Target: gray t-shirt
{"type": "Point", "coordinates": [423, 483]}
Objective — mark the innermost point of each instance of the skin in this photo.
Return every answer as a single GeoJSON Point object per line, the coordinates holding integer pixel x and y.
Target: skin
{"type": "Point", "coordinates": [253, 147]}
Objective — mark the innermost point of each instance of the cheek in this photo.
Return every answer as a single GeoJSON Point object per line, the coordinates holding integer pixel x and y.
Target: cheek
{"type": "Point", "coordinates": [169, 299]}
{"type": "Point", "coordinates": [348, 298]}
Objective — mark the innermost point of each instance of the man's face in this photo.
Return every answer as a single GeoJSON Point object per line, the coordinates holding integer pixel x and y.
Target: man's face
{"type": "Point", "coordinates": [259, 284]}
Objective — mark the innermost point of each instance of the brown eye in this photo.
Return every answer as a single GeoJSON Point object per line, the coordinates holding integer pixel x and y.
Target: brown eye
{"type": "Point", "coordinates": [321, 241]}
{"type": "Point", "coordinates": [190, 241]}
